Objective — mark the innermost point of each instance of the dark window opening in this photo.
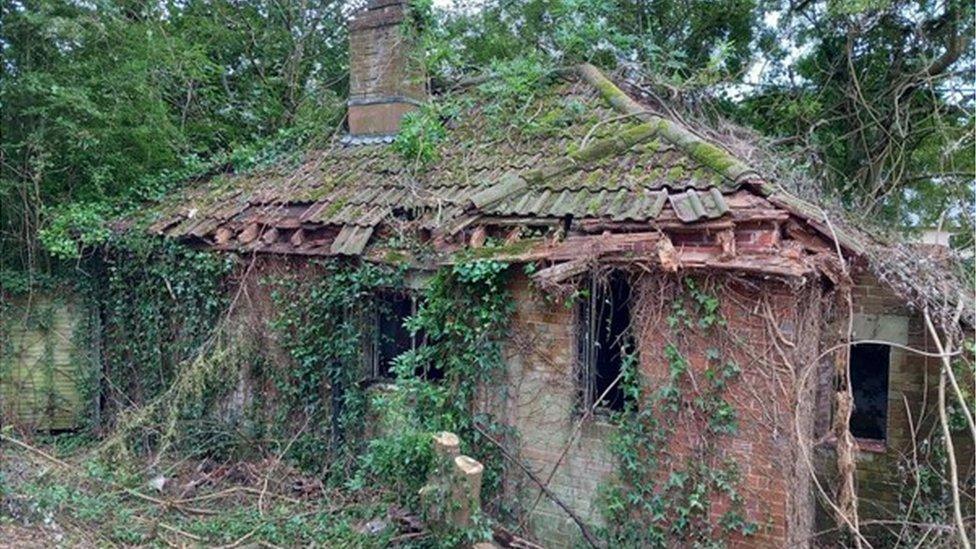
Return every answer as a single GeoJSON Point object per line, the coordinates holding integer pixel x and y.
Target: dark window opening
{"type": "Point", "coordinates": [393, 338]}
{"type": "Point", "coordinates": [869, 384]}
{"type": "Point", "coordinates": [605, 319]}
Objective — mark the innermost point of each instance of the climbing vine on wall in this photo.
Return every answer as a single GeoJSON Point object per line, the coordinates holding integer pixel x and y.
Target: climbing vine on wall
{"type": "Point", "coordinates": [323, 320]}
{"type": "Point", "coordinates": [660, 499]}
{"type": "Point", "coordinates": [159, 301]}
{"type": "Point", "coordinates": [379, 435]}
{"type": "Point", "coordinates": [462, 318]}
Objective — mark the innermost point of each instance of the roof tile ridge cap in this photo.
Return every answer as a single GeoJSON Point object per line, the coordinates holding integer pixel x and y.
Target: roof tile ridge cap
{"type": "Point", "coordinates": [507, 185]}
{"type": "Point", "coordinates": [597, 150]}
{"type": "Point", "coordinates": [709, 154]}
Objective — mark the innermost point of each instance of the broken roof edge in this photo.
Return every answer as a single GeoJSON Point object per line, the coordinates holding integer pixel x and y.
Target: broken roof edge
{"type": "Point", "coordinates": [723, 162]}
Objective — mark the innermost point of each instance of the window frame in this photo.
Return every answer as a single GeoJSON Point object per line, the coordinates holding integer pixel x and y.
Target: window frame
{"type": "Point", "coordinates": [588, 325]}
{"type": "Point", "coordinates": [374, 366]}
{"type": "Point", "coordinates": [891, 328]}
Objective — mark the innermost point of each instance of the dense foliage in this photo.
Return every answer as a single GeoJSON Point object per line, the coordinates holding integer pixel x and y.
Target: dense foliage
{"type": "Point", "coordinates": [103, 103]}
{"type": "Point", "coordinates": [322, 321]}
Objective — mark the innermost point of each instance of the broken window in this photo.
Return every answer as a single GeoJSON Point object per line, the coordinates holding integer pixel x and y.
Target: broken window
{"type": "Point", "coordinates": [604, 339]}
{"type": "Point", "coordinates": [869, 384]}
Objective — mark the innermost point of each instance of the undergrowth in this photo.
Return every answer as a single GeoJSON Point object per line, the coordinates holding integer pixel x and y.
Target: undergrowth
{"type": "Point", "coordinates": [83, 501]}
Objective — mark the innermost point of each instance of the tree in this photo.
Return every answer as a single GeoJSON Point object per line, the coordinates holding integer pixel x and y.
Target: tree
{"type": "Point", "coordinates": [100, 100]}
{"type": "Point", "coordinates": [880, 92]}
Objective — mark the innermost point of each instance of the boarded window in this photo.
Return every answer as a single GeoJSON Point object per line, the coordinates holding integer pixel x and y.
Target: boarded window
{"type": "Point", "coordinates": [604, 337]}
{"type": "Point", "coordinates": [869, 383]}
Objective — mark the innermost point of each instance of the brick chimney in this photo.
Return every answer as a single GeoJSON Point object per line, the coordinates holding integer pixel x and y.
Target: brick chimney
{"type": "Point", "coordinates": [384, 83]}
{"type": "Point", "coordinates": [935, 242]}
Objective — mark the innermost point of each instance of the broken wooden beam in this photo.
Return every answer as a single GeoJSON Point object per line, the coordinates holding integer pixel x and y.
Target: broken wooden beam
{"type": "Point", "coordinates": [561, 272]}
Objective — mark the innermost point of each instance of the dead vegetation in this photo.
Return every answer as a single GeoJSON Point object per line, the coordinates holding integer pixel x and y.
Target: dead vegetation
{"type": "Point", "coordinates": [53, 495]}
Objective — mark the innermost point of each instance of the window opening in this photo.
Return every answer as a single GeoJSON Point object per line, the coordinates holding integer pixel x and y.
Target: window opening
{"type": "Point", "coordinates": [869, 384]}
{"type": "Point", "coordinates": [392, 336]}
{"type": "Point", "coordinates": [605, 319]}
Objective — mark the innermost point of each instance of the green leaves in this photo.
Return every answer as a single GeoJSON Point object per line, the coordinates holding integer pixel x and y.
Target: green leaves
{"type": "Point", "coordinates": [323, 318]}
{"type": "Point", "coordinates": [103, 103]}
{"type": "Point", "coordinates": [645, 506]}
{"type": "Point", "coordinates": [420, 133]}
{"type": "Point", "coordinates": [74, 228]}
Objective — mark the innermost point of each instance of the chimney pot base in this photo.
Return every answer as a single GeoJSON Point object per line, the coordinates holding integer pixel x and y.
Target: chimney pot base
{"type": "Point", "coordinates": [378, 118]}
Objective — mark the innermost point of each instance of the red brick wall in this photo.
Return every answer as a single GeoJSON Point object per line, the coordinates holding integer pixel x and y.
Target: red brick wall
{"type": "Point", "coordinates": [544, 394]}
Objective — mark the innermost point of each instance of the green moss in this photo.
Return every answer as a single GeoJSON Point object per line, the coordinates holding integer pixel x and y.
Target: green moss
{"type": "Point", "coordinates": [712, 156]}
{"type": "Point", "coordinates": [594, 204]}
{"type": "Point", "coordinates": [616, 144]}
{"type": "Point", "coordinates": [594, 178]}
{"type": "Point", "coordinates": [609, 90]}
{"type": "Point", "coordinates": [676, 173]}
{"type": "Point", "coordinates": [334, 207]}
{"type": "Point", "coordinates": [395, 256]}
{"type": "Point", "coordinates": [314, 194]}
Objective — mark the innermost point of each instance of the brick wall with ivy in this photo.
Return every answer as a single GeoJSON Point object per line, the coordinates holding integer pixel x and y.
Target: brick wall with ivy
{"type": "Point", "coordinates": [901, 476]}
{"type": "Point", "coordinates": [709, 452]}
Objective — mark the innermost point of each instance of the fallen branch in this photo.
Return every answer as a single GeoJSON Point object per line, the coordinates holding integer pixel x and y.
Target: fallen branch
{"type": "Point", "coordinates": [235, 490]}
{"type": "Point", "coordinates": [176, 530]}
{"type": "Point", "coordinates": [944, 374]}
{"type": "Point", "coordinates": [509, 539]}
{"type": "Point", "coordinates": [132, 492]}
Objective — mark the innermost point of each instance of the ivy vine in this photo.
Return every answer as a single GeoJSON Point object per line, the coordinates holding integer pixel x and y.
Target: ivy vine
{"type": "Point", "coordinates": [644, 507]}
{"type": "Point", "coordinates": [323, 320]}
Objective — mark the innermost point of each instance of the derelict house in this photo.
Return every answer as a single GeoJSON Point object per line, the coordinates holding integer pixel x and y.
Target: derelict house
{"type": "Point", "coordinates": [604, 193]}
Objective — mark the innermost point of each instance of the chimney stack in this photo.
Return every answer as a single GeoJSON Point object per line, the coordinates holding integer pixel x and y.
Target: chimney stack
{"type": "Point", "coordinates": [384, 83]}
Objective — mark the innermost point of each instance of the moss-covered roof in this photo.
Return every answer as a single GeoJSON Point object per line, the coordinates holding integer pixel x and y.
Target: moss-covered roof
{"type": "Point", "coordinates": [580, 150]}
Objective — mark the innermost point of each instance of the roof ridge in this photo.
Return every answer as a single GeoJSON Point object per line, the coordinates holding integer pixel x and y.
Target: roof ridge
{"type": "Point", "coordinates": [703, 151]}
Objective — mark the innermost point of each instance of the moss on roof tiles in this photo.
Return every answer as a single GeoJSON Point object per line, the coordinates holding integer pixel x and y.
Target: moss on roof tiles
{"type": "Point", "coordinates": [700, 150]}
{"type": "Point", "coordinates": [576, 142]}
